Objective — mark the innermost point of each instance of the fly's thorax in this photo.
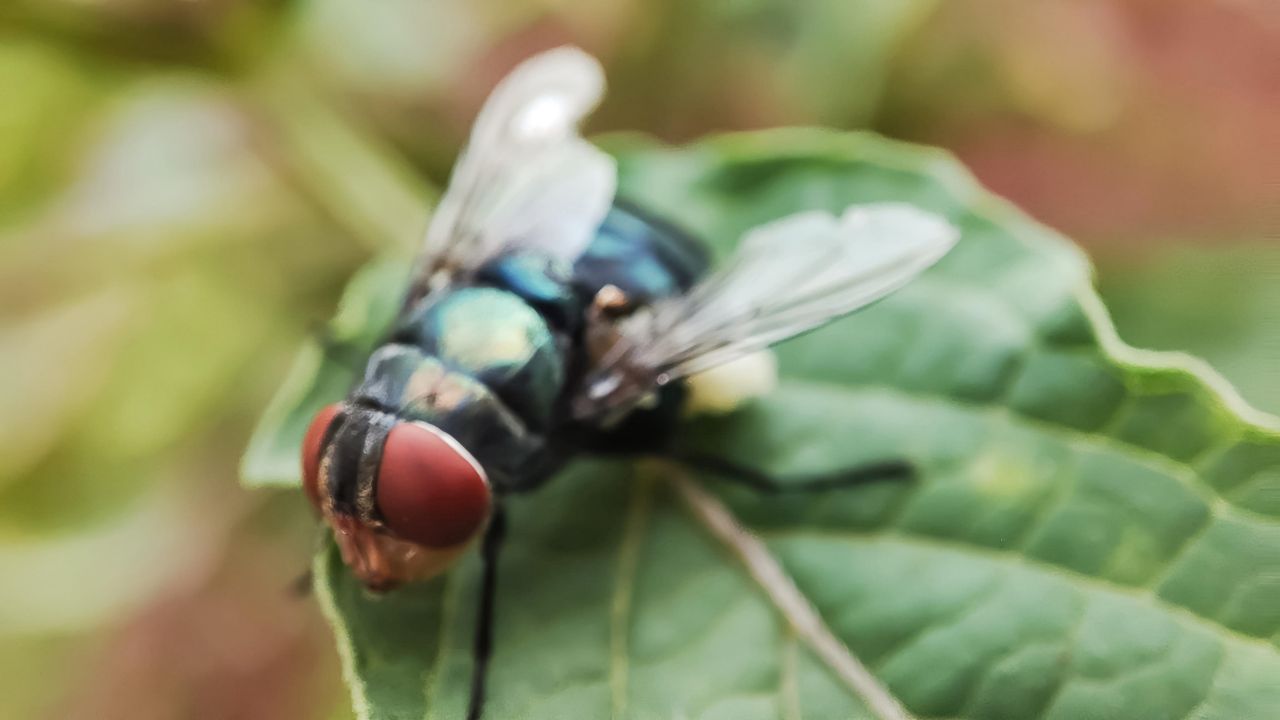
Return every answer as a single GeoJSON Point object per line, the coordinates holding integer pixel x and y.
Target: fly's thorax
{"type": "Point", "coordinates": [498, 339]}
{"type": "Point", "coordinates": [420, 387]}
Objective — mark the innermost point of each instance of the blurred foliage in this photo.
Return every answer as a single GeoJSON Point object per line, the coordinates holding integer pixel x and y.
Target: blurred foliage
{"type": "Point", "coordinates": [186, 184]}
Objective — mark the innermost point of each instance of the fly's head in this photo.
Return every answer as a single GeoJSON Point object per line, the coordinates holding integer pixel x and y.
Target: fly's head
{"type": "Point", "coordinates": [403, 498]}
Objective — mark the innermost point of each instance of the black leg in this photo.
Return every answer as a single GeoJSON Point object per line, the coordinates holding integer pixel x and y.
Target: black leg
{"type": "Point", "coordinates": [884, 470]}
{"type": "Point", "coordinates": [489, 551]}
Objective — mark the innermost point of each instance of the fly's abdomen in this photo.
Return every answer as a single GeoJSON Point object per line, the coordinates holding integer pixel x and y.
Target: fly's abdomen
{"type": "Point", "coordinates": [645, 257]}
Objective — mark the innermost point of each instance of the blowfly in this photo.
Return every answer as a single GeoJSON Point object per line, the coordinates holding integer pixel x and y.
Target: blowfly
{"type": "Point", "coordinates": [546, 318]}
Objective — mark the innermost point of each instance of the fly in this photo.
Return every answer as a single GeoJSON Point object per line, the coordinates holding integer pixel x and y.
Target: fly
{"type": "Point", "coordinates": [545, 319]}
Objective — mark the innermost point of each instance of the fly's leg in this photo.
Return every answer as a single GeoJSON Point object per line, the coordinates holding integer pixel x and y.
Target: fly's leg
{"type": "Point", "coordinates": [880, 471]}
{"type": "Point", "coordinates": [483, 647]}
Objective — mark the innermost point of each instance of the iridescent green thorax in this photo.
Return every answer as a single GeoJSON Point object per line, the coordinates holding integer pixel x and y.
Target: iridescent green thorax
{"type": "Point", "coordinates": [497, 339]}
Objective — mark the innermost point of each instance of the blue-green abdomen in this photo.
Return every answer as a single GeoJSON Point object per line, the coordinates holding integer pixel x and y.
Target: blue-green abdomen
{"type": "Point", "coordinates": [643, 256]}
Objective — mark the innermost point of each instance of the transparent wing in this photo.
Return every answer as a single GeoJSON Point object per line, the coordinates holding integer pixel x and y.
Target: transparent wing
{"type": "Point", "coordinates": [787, 276]}
{"type": "Point", "coordinates": [526, 178]}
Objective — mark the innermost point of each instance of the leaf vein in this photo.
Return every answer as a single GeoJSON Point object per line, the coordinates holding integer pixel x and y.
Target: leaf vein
{"type": "Point", "coordinates": [794, 606]}
{"type": "Point", "coordinates": [1071, 576]}
{"type": "Point", "coordinates": [952, 618]}
{"type": "Point", "coordinates": [1196, 712]}
{"type": "Point", "coordinates": [789, 686]}
{"type": "Point", "coordinates": [449, 606]}
{"type": "Point", "coordinates": [1069, 642]}
{"type": "Point", "coordinates": [1042, 514]}
{"type": "Point", "coordinates": [633, 533]}
{"type": "Point", "coordinates": [1181, 471]}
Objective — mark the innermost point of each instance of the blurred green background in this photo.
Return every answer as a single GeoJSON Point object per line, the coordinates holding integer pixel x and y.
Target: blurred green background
{"type": "Point", "coordinates": [186, 184]}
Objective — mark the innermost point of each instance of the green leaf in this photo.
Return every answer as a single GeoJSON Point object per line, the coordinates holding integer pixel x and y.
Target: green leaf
{"type": "Point", "coordinates": [1094, 532]}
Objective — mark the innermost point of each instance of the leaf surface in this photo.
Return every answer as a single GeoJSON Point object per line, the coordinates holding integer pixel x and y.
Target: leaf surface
{"type": "Point", "coordinates": [1094, 532]}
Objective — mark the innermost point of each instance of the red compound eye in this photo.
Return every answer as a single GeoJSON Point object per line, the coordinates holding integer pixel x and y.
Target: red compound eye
{"type": "Point", "coordinates": [311, 450]}
{"type": "Point", "coordinates": [430, 491]}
